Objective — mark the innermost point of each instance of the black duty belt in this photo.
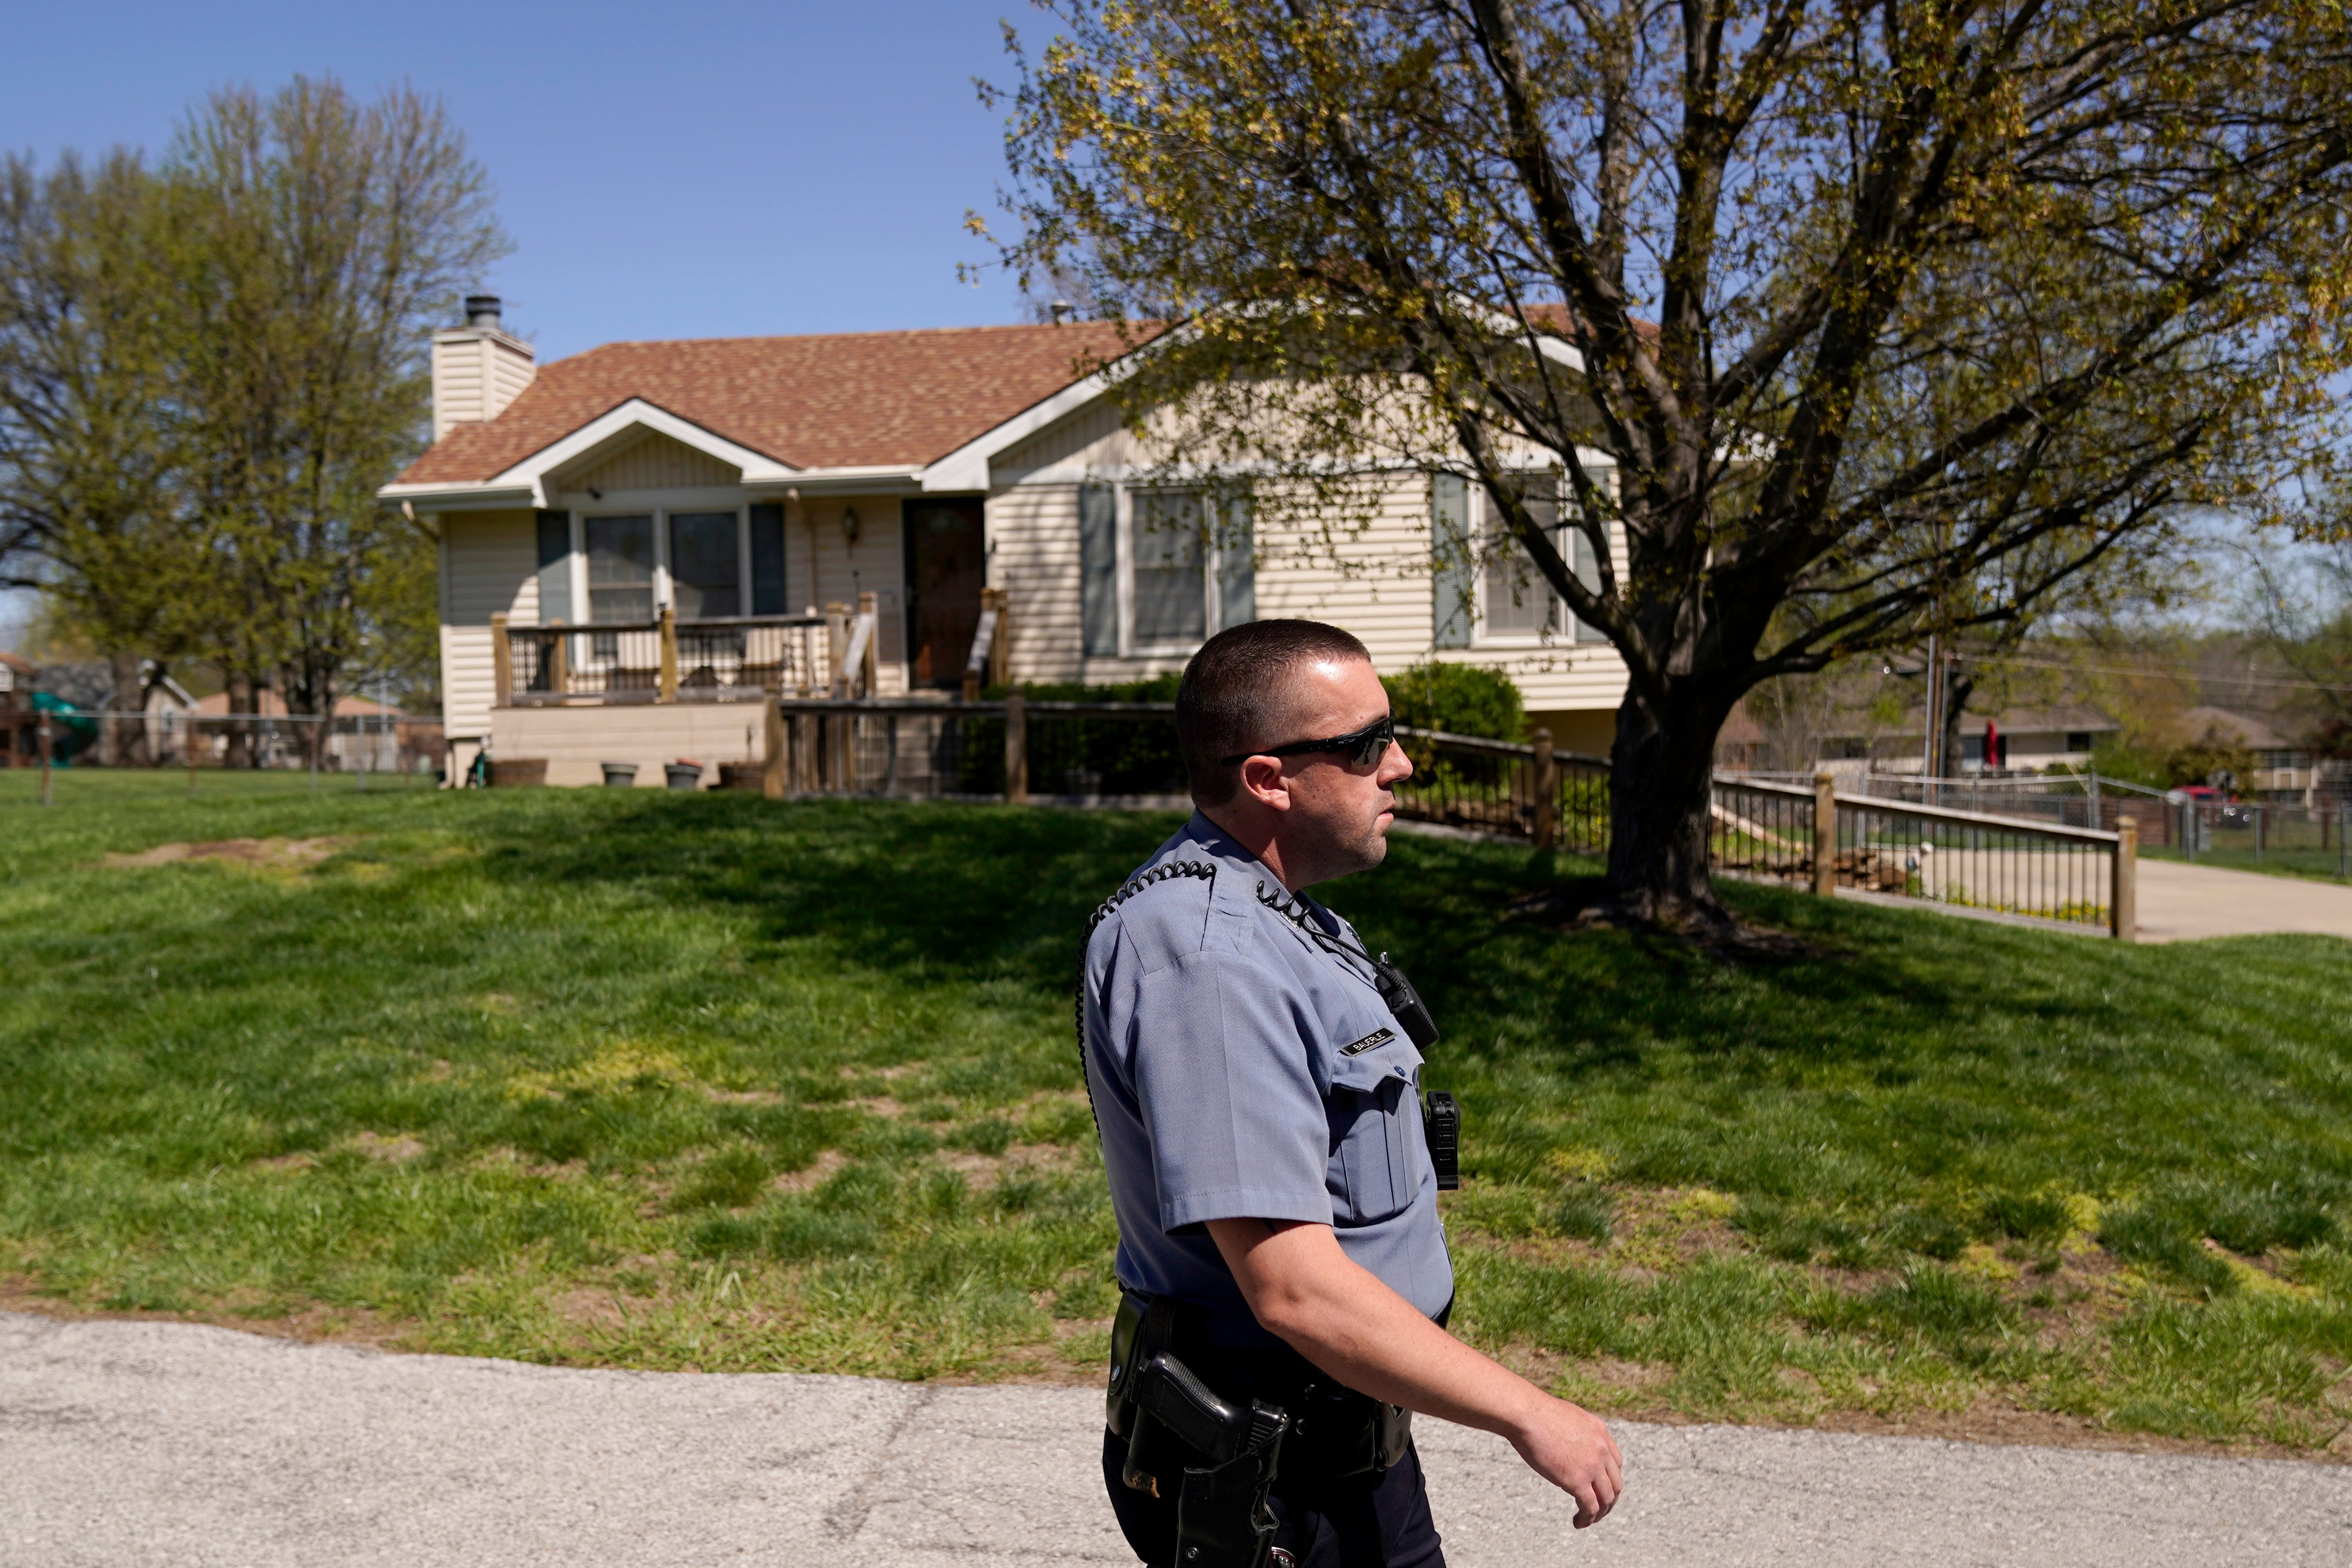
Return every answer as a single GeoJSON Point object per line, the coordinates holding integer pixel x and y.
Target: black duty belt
{"type": "Point", "coordinates": [1184, 1404]}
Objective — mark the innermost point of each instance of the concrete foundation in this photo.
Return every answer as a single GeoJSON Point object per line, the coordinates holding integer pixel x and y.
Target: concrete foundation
{"type": "Point", "coordinates": [578, 741]}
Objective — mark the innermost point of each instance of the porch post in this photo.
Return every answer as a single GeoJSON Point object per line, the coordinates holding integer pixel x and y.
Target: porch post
{"type": "Point", "coordinates": [999, 646]}
{"type": "Point", "coordinates": [668, 691]}
{"type": "Point", "coordinates": [869, 667]}
{"type": "Point", "coordinates": [501, 661]}
{"type": "Point", "coordinates": [1016, 748]}
{"type": "Point", "coordinates": [1825, 834]}
{"type": "Point", "coordinates": [2123, 896]}
{"type": "Point", "coordinates": [772, 755]}
{"type": "Point", "coordinates": [559, 661]}
{"type": "Point", "coordinates": [1546, 791]}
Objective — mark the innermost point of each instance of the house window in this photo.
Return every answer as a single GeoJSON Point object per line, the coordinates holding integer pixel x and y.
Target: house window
{"type": "Point", "coordinates": [620, 569]}
{"type": "Point", "coordinates": [1518, 601]}
{"type": "Point", "coordinates": [1168, 552]}
{"type": "Point", "coordinates": [1515, 603]}
{"type": "Point", "coordinates": [705, 565]}
{"type": "Point", "coordinates": [2078, 741]}
{"type": "Point", "coordinates": [1190, 568]}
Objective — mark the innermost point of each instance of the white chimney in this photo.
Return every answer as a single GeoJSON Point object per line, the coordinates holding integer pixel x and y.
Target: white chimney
{"type": "Point", "coordinates": [478, 367]}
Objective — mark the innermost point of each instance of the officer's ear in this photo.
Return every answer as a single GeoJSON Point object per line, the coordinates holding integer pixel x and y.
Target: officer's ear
{"type": "Point", "coordinates": [1264, 781]}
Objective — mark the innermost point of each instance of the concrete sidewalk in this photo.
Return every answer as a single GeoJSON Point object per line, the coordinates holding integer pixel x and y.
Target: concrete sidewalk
{"type": "Point", "coordinates": [2179, 903]}
{"type": "Point", "coordinates": [185, 1446]}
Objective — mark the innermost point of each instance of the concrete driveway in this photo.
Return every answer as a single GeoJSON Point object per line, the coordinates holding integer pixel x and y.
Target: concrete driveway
{"type": "Point", "coordinates": [185, 1446]}
{"type": "Point", "coordinates": [2179, 903]}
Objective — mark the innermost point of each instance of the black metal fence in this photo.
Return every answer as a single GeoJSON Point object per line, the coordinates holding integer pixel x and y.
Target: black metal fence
{"type": "Point", "coordinates": [1021, 748]}
{"type": "Point", "coordinates": [1017, 747]}
{"type": "Point", "coordinates": [2314, 840]}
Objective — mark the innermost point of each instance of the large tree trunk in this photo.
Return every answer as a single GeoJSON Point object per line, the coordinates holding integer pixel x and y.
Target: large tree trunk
{"type": "Point", "coordinates": [1661, 767]}
{"type": "Point", "coordinates": [1958, 689]}
{"type": "Point", "coordinates": [123, 732]}
{"type": "Point", "coordinates": [239, 751]}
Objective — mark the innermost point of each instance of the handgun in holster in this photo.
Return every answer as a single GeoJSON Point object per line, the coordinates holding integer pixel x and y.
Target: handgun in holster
{"type": "Point", "coordinates": [1162, 1409]}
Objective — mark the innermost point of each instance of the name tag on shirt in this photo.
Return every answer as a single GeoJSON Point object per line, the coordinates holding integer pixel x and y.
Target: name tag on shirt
{"type": "Point", "coordinates": [1372, 1042]}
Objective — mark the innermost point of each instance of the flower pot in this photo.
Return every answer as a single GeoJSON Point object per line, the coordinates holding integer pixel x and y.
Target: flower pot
{"type": "Point", "coordinates": [743, 776]}
{"type": "Point", "coordinates": [684, 775]}
{"type": "Point", "coordinates": [620, 775]}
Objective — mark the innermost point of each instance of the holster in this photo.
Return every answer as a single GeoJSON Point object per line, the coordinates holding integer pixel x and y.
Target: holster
{"type": "Point", "coordinates": [1170, 1419]}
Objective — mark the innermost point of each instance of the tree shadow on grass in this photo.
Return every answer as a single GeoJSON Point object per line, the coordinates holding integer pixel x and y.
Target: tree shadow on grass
{"type": "Point", "coordinates": [998, 894]}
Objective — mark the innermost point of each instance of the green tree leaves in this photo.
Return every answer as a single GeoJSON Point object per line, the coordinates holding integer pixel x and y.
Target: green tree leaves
{"type": "Point", "coordinates": [209, 365]}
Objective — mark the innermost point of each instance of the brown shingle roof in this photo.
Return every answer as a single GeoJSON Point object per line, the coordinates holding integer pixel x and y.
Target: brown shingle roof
{"type": "Point", "coordinates": [841, 401]}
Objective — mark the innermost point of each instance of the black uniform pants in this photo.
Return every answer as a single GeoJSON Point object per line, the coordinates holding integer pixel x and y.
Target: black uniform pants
{"type": "Point", "coordinates": [1363, 1521]}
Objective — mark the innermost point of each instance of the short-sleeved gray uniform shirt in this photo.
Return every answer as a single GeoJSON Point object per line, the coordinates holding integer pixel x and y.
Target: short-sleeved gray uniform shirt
{"type": "Point", "coordinates": [1241, 1069]}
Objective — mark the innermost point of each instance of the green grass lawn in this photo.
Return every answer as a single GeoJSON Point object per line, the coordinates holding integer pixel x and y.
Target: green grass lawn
{"type": "Point", "coordinates": [632, 1078]}
{"type": "Point", "coordinates": [2302, 862]}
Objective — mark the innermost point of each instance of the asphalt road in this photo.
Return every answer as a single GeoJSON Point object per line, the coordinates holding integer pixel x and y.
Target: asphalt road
{"type": "Point", "coordinates": [168, 1444]}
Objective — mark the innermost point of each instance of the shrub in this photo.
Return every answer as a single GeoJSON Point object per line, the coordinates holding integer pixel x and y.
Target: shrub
{"type": "Point", "coordinates": [1104, 757]}
{"type": "Point", "coordinates": [1463, 699]}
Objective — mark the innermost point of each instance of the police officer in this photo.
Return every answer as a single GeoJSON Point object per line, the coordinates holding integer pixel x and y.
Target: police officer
{"type": "Point", "coordinates": [1284, 1272]}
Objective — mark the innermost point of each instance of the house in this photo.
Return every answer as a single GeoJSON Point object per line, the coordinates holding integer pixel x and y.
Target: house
{"type": "Point", "coordinates": [20, 744]}
{"type": "Point", "coordinates": [2284, 769]}
{"type": "Point", "coordinates": [637, 539]}
{"type": "Point", "coordinates": [1857, 741]}
{"type": "Point", "coordinates": [366, 736]}
{"type": "Point", "coordinates": [2035, 740]}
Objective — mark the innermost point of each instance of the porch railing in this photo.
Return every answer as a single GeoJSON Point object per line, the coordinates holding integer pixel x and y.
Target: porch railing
{"type": "Point", "coordinates": [664, 659]}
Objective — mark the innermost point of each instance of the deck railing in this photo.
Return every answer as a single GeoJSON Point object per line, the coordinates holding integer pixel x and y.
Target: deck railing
{"type": "Point", "coordinates": [663, 660]}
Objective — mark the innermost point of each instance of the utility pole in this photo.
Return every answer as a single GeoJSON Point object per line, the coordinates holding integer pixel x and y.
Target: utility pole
{"type": "Point", "coordinates": [47, 799]}
{"type": "Point", "coordinates": [1931, 746]}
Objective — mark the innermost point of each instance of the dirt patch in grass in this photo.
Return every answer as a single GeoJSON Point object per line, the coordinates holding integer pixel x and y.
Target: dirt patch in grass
{"type": "Point", "coordinates": [811, 1176]}
{"type": "Point", "coordinates": [981, 1171]}
{"type": "Point", "coordinates": [272, 852]}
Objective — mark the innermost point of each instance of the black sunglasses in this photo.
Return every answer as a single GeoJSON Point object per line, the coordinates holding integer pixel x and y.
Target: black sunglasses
{"type": "Point", "coordinates": [1365, 746]}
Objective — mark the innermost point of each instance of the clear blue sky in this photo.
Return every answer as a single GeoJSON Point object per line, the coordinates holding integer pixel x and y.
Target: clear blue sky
{"type": "Point", "coordinates": [688, 170]}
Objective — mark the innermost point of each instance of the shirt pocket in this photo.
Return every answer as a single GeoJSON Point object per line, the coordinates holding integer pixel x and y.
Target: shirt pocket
{"type": "Point", "coordinates": [1373, 1115]}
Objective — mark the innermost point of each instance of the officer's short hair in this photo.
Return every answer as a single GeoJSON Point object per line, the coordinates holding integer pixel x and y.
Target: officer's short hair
{"type": "Point", "coordinates": [1236, 687]}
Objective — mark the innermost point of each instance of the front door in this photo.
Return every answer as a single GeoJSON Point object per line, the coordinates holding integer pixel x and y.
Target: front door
{"type": "Point", "coordinates": [946, 565]}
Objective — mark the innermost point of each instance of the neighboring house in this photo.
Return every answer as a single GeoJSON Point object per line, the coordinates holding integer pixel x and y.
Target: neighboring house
{"type": "Point", "coordinates": [366, 736]}
{"type": "Point", "coordinates": [88, 685]}
{"type": "Point", "coordinates": [168, 706]}
{"type": "Point", "coordinates": [2282, 769]}
{"type": "Point", "coordinates": [690, 510]}
{"type": "Point", "coordinates": [2031, 740]}
{"type": "Point", "coordinates": [2037, 740]}
{"type": "Point", "coordinates": [20, 745]}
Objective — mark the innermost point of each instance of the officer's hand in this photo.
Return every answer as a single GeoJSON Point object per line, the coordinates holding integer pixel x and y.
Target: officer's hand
{"type": "Point", "coordinates": [1569, 1447]}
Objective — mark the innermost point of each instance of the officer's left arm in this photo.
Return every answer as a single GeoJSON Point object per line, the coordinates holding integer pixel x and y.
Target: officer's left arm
{"type": "Point", "coordinates": [1339, 1315]}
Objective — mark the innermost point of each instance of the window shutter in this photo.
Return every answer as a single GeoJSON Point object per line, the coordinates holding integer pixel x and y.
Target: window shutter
{"type": "Point", "coordinates": [768, 558]}
{"type": "Point", "coordinates": [1450, 564]}
{"type": "Point", "coordinates": [1236, 565]}
{"type": "Point", "coordinates": [555, 568]}
{"type": "Point", "coordinates": [1098, 567]}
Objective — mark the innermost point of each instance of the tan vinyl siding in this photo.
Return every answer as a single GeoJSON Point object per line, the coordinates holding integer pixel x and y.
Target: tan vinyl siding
{"type": "Point", "coordinates": [1383, 597]}
{"type": "Point", "coordinates": [1091, 440]}
{"type": "Point", "coordinates": [1033, 555]}
{"type": "Point", "coordinates": [821, 569]}
{"type": "Point", "coordinates": [476, 374]}
{"type": "Point", "coordinates": [492, 560]}
{"type": "Point", "coordinates": [656, 463]}
{"type": "Point", "coordinates": [510, 370]}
